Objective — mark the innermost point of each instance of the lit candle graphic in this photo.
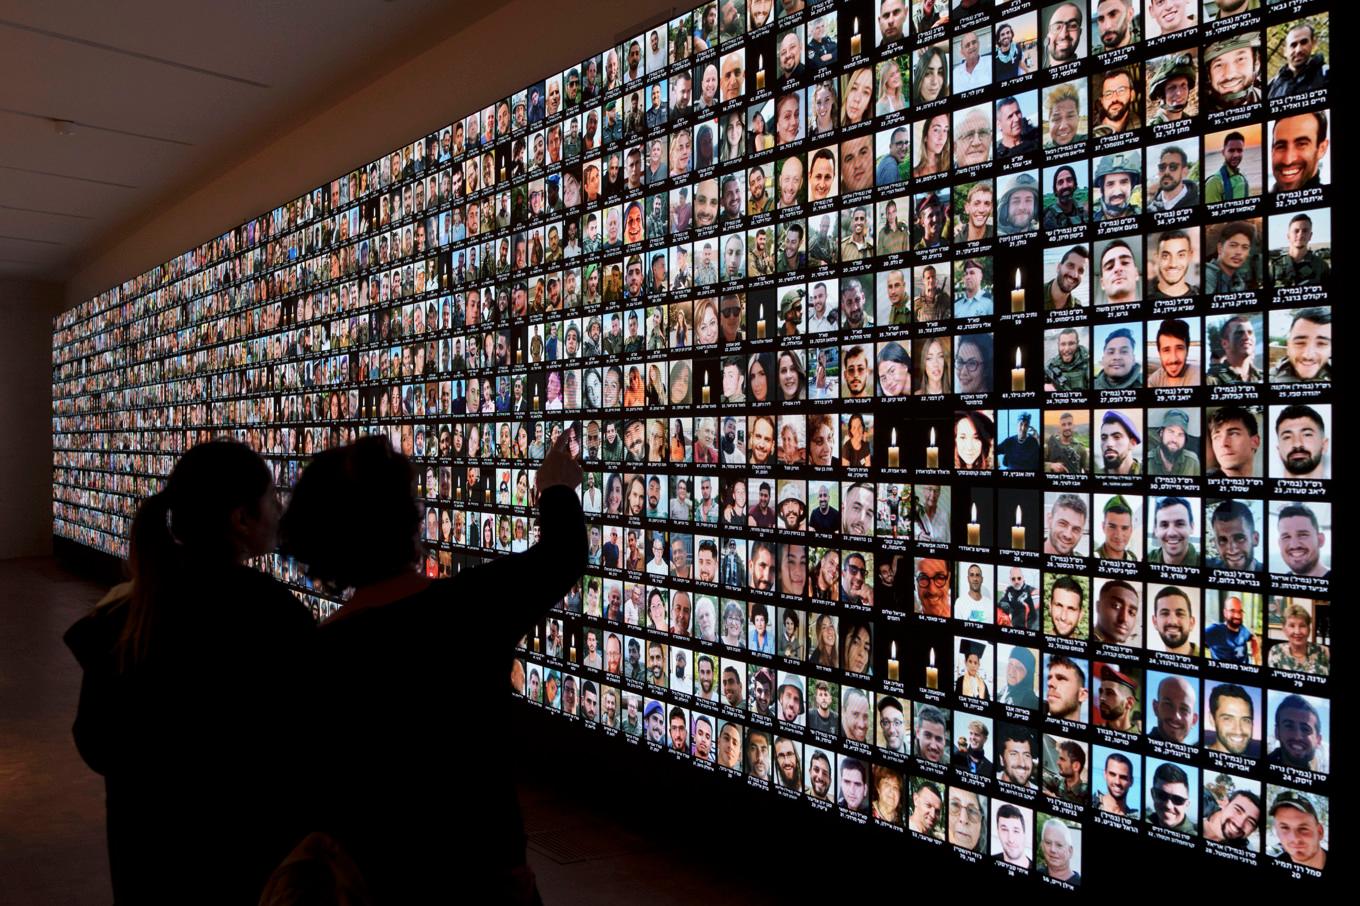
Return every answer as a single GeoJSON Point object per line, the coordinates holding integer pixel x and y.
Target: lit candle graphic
{"type": "Point", "coordinates": [893, 666]}
{"type": "Point", "coordinates": [855, 39]}
{"type": "Point", "coordinates": [538, 642]}
{"type": "Point", "coordinates": [760, 72]}
{"type": "Point", "coordinates": [760, 329]}
{"type": "Point", "coordinates": [894, 454]}
{"type": "Point", "coordinates": [1018, 531]}
{"type": "Point", "coordinates": [1018, 295]}
{"type": "Point", "coordinates": [932, 453]}
{"type": "Point", "coordinates": [704, 391]}
{"type": "Point", "coordinates": [974, 530]}
{"type": "Point", "coordinates": [1018, 374]}
{"type": "Point", "coordinates": [932, 674]}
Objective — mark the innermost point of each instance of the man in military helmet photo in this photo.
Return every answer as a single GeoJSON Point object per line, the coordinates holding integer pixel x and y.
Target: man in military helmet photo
{"type": "Point", "coordinates": [1116, 175]}
{"type": "Point", "coordinates": [1232, 69]}
{"type": "Point", "coordinates": [1172, 89]}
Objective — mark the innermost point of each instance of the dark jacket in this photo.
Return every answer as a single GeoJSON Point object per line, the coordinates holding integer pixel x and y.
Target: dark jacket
{"type": "Point", "coordinates": [197, 742]}
{"type": "Point", "coordinates": [413, 783]}
{"type": "Point", "coordinates": [1312, 77]}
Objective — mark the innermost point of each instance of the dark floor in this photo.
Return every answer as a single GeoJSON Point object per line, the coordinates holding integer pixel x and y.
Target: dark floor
{"type": "Point", "coordinates": [52, 813]}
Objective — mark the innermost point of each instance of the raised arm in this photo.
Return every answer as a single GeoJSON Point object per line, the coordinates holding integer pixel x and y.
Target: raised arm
{"type": "Point", "coordinates": [522, 587]}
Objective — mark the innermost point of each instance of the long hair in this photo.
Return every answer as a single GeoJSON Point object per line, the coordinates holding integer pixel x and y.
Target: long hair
{"type": "Point", "coordinates": [190, 518]}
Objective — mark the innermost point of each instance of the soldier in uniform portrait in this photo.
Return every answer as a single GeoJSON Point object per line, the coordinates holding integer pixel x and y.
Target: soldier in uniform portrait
{"type": "Point", "coordinates": [1232, 72]}
{"type": "Point", "coordinates": [1170, 87]}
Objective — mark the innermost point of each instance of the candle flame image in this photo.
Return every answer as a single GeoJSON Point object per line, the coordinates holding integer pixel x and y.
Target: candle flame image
{"type": "Point", "coordinates": [1017, 278]}
{"type": "Point", "coordinates": [855, 29]}
{"type": "Point", "coordinates": [893, 653]}
{"type": "Point", "coordinates": [932, 437]}
{"type": "Point", "coordinates": [974, 519]}
{"type": "Point", "coordinates": [1018, 519]}
{"type": "Point", "coordinates": [760, 64]}
{"type": "Point", "coordinates": [932, 657]}
{"type": "Point", "coordinates": [892, 438]}
{"type": "Point", "coordinates": [1017, 357]}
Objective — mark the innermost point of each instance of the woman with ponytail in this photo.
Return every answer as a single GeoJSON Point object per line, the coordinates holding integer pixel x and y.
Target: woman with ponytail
{"type": "Point", "coordinates": [192, 688]}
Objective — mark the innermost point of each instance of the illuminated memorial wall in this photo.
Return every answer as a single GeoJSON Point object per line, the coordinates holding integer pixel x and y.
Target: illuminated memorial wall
{"type": "Point", "coordinates": [953, 384]}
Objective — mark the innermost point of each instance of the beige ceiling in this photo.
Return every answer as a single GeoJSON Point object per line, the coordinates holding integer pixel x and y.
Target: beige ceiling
{"type": "Point", "coordinates": [165, 92]}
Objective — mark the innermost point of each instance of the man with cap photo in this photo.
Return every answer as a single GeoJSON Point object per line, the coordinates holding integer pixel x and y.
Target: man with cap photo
{"type": "Point", "coordinates": [1117, 700]}
{"type": "Point", "coordinates": [1232, 72]}
{"type": "Point", "coordinates": [1117, 528]}
{"type": "Point", "coordinates": [1064, 212]}
{"type": "Point", "coordinates": [1021, 452]}
{"type": "Point", "coordinates": [792, 507]}
{"type": "Point", "coordinates": [1115, 177]}
{"type": "Point", "coordinates": [789, 708]}
{"type": "Point", "coordinates": [1171, 89]}
{"type": "Point", "coordinates": [1294, 823]}
{"type": "Point", "coordinates": [970, 683]}
{"type": "Point", "coordinates": [1019, 206]}
{"type": "Point", "coordinates": [653, 718]}
{"type": "Point", "coordinates": [1168, 453]}
{"type": "Point", "coordinates": [1020, 678]}
{"type": "Point", "coordinates": [892, 727]}
{"type": "Point", "coordinates": [1118, 439]}
{"type": "Point", "coordinates": [931, 223]}
{"type": "Point", "coordinates": [974, 301]}
{"type": "Point", "coordinates": [1119, 366]}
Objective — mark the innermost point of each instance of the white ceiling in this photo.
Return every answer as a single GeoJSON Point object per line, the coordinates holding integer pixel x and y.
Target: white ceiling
{"type": "Point", "coordinates": [163, 92]}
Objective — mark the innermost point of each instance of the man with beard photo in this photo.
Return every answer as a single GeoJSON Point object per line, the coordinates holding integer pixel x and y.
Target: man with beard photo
{"type": "Point", "coordinates": [1116, 97]}
{"type": "Point", "coordinates": [1115, 177]}
{"type": "Point", "coordinates": [1233, 72]}
{"type": "Point", "coordinates": [1174, 191]}
{"type": "Point", "coordinates": [1119, 438]}
{"type": "Point", "coordinates": [1173, 350]}
{"type": "Point", "coordinates": [1117, 23]}
{"type": "Point", "coordinates": [1173, 618]}
{"type": "Point", "coordinates": [1064, 212]}
{"type": "Point", "coordinates": [1301, 443]}
{"type": "Point", "coordinates": [1168, 453]}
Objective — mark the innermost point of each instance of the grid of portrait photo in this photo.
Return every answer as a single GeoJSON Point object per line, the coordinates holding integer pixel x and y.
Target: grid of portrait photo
{"type": "Point", "coordinates": [952, 380]}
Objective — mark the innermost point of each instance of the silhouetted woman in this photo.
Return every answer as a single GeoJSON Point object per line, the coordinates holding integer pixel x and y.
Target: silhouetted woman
{"type": "Point", "coordinates": [192, 688]}
{"type": "Point", "coordinates": [412, 676]}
